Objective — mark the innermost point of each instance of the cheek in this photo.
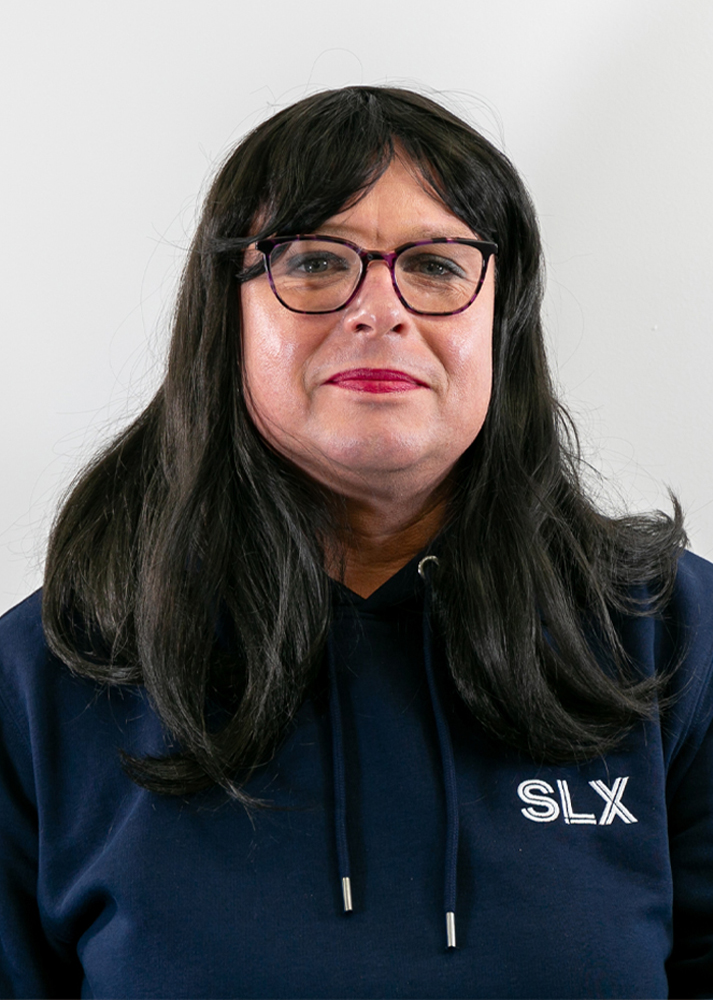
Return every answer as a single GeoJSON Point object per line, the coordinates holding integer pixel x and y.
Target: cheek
{"type": "Point", "coordinates": [271, 357]}
{"type": "Point", "coordinates": [470, 368]}
{"type": "Point", "coordinates": [278, 349]}
{"type": "Point", "coordinates": [268, 354]}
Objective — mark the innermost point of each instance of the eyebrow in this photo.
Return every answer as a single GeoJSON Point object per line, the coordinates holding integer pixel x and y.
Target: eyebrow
{"type": "Point", "coordinates": [412, 235]}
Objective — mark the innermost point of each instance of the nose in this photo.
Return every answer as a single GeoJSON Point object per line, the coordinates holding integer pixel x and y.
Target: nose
{"type": "Point", "coordinates": [376, 307]}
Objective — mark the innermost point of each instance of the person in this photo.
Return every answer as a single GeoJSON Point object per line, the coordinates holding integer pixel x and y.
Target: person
{"type": "Point", "coordinates": [339, 683]}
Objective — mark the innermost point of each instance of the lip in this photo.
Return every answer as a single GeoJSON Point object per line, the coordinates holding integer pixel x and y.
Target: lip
{"type": "Point", "coordinates": [376, 380]}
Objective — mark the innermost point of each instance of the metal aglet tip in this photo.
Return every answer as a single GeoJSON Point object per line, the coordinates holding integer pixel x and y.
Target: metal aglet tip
{"type": "Point", "coordinates": [451, 929]}
{"type": "Point", "coordinates": [347, 893]}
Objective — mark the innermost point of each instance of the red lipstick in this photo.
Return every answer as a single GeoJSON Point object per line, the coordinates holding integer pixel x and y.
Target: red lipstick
{"type": "Point", "coordinates": [375, 380]}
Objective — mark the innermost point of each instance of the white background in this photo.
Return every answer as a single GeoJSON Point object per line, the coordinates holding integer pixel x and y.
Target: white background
{"type": "Point", "coordinates": [116, 113]}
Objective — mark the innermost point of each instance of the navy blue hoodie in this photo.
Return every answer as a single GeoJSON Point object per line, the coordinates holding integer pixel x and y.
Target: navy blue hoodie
{"type": "Point", "coordinates": [566, 881]}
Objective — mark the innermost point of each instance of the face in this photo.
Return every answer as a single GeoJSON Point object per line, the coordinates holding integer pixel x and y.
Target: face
{"type": "Point", "coordinates": [301, 371]}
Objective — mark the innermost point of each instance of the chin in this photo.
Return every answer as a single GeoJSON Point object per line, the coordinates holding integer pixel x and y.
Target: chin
{"type": "Point", "coordinates": [367, 462]}
{"type": "Point", "coordinates": [379, 450]}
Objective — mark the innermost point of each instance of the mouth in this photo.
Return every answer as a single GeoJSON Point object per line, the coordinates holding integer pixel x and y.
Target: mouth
{"type": "Point", "coordinates": [375, 380]}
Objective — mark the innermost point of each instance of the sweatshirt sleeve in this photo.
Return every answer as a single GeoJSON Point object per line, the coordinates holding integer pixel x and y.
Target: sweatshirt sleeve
{"type": "Point", "coordinates": [30, 964]}
{"type": "Point", "coordinates": [690, 817]}
{"type": "Point", "coordinates": [690, 967]}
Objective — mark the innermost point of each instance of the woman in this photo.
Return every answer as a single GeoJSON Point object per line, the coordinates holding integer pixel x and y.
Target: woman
{"type": "Point", "coordinates": [351, 653]}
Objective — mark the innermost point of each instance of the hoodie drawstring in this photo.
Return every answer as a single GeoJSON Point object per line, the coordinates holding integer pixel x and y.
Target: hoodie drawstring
{"type": "Point", "coordinates": [447, 758]}
{"type": "Point", "coordinates": [449, 767]}
{"type": "Point", "coordinates": [340, 793]}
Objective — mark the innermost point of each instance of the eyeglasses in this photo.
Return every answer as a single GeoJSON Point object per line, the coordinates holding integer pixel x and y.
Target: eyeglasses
{"type": "Point", "coordinates": [322, 274]}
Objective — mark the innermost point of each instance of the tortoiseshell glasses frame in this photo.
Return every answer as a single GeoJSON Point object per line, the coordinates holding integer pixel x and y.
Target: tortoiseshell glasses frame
{"type": "Point", "coordinates": [470, 287]}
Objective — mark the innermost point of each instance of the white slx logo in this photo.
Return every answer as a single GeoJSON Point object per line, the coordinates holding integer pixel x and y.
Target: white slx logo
{"type": "Point", "coordinates": [542, 808]}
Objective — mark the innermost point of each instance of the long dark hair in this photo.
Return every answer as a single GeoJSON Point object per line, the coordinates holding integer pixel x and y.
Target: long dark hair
{"type": "Point", "coordinates": [188, 521]}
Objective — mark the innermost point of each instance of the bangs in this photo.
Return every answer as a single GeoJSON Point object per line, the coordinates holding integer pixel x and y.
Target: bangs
{"type": "Point", "coordinates": [315, 158]}
{"type": "Point", "coordinates": [319, 163]}
{"type": "Point", "coordinates": [301, 167]}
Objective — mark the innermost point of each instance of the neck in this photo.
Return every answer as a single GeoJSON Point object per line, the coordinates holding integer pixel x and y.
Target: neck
{"type": "Point", "coordinates": [379, 539]}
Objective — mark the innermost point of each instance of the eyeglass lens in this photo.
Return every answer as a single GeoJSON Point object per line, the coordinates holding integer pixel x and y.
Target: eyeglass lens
{"type": "Point", "coordinates": [320, 276]}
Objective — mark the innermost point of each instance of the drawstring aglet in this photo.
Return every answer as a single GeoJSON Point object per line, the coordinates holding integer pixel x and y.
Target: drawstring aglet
{"type": "Point", "coordinates": [347, 893]}
{"type": "Point", "coordinates": [451, 929]}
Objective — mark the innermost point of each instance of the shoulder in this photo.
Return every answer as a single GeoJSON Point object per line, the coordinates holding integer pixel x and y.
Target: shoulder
{"type": "Point", "coordinates": [24, 657]}
{"type": "Point", "coordinates": [31, 674]}
{"type": "Point", "coordinates": [681, 641]}
{"type": "Point", "coordinates": [685, 629]}
{"type": "Point", "coordinates": [21, 633]}
{"type": "Point", "coordinates": [693, 592]}
{"type": "Point", "coordinates": [54, 723]}
{"type": "Point", "coordinates": [682, 630]}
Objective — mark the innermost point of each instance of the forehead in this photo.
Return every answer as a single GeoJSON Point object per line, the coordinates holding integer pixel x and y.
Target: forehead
{"type": "Point", "coordinates": [398, 208]}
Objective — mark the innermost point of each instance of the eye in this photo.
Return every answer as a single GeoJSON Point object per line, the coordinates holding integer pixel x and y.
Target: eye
{"type": "Point", "coordinates": [315, 263]}
{"type": "Point", "coordinates": [431, 265]}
